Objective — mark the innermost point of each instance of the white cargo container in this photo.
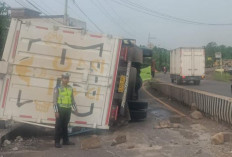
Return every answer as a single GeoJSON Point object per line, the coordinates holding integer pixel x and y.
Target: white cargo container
{"type": "Point", "coordinates": [187, 64]}
{"type": "Point", "coordinates": [35, 56]}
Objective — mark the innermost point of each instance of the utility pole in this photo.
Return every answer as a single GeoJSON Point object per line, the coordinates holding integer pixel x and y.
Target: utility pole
{"type": "Point", "coordinates": [149, 44]}
{"type": "Point", "coordinates": [66, 13]}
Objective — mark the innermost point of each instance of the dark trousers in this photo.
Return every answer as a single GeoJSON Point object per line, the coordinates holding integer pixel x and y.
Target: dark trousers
{"type": "Point", "coordinates": [153, 74]}
{"type": "Point", "coordinates": [61, 127]}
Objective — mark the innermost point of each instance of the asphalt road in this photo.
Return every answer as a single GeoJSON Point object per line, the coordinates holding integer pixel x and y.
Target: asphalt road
{"type": "Point", "coordinates": [216, 87]}
{"type": "Point", "coordinates": [143, 140]}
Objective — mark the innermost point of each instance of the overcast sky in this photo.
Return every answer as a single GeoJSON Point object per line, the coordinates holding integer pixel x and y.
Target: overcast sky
{"type": "Point", "coordinates": [165, 20]}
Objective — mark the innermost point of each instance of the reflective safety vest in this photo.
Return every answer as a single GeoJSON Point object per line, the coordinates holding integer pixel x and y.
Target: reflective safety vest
{"type": "Point", "coordinates": [65, 97]}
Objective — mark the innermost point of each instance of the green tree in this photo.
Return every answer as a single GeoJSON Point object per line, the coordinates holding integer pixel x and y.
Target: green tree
{"type": "Point", "coordinates": [162, 58]}
{"type": "Point", "coordinates": [210, 50]}
{"type": "Point", "coordinates": [4, 25]}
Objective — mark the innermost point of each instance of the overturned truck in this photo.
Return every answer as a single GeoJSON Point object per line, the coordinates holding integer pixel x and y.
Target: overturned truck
{"type": "Point", "coordinates": [104, 75]}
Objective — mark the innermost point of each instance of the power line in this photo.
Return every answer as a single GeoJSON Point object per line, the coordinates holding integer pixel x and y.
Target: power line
{"type": "Point", "coordinates": [108, 15]}
{"type": "Point", "coordinates": [176, 18]}
{"type": "Point", "coordinates": [49, 7]}
{"type": "Point", "coordinates": [24, 4]}
{"type": "Point", "coordinates": [20, 4]}
{"type": "Point", "coordinates": [6, 4]}
{"type": "Point", "coordinates": [115, 12]}
{"type": "Point", "coordinates": [34, 6]}
{"type": "Point", "coordinates": [140, 8]}
{"type": "Point", "coordinates": [37, 8]}
{"type": "Point", "coordinates": [74, 11]}
{"type": "Point", "coordinates": [75, 4]}
{"type": "Point", "coordinates": [40, 6]}
{"type": "Point", "coordinates": [161, 14]}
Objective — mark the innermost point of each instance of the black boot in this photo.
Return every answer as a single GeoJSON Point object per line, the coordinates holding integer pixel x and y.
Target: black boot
{"type": "Point", "coordinates": [58, 145]}
{"type": "Point", "coordinates": [68, 143]}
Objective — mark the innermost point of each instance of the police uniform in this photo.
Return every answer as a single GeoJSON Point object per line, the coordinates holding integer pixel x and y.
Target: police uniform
{"type": "Point", "coordinates": [63, 103]}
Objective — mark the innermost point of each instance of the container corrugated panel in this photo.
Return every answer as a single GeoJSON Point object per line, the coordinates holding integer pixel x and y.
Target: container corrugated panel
{"type": "Point", "coordinates": [43, 53]}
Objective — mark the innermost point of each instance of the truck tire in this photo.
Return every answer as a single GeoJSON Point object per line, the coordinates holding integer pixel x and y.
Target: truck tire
{"type": "Point", "coordinates": [138, 85]}
{"type": "Point", "coordinates": [131, 84]}
{"type": "Point", "coordinates": [137, 105]}
{"type": "Point", "coordinates": [138, 115]}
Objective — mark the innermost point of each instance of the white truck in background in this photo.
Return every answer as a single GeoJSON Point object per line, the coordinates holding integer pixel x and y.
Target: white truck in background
{"type": "Point", "coordinates": [187, 64]}
{"type": "Point", "coordinates": [104, 74]}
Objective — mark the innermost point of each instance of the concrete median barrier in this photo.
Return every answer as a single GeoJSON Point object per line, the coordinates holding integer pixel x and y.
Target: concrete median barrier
{"type": "Point", "coordinates": [217, 106]}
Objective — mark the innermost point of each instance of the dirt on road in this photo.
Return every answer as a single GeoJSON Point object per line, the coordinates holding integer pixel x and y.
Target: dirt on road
{"type": "Point", "coordinates": [192, 138]}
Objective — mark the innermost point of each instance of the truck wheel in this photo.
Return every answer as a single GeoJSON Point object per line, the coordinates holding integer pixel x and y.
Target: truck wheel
{"type": "Point", "coordinates": [131, 84]}
{"type": "Point", "coordinates": [138, 115]}
{"type": "Point", "coordinates": [137, 105]}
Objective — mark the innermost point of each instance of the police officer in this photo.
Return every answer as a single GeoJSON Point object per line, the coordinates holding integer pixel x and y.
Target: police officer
{"type": "Point", "coordinates": [63, 100]}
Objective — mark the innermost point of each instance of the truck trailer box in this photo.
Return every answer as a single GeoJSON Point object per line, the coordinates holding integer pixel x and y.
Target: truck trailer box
{"type": "Point", "coordinates": [187, 64]}
{"type": "Point", "coordinates": [103, 69]}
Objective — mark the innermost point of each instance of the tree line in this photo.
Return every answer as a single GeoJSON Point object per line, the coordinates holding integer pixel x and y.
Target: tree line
{"type": "Point", "coordinates": [4, 25]}
{"type": "Point", "coordinates": [210, 50]}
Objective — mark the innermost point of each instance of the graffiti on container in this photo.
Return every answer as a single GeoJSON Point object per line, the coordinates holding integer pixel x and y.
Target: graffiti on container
{"type": "Point", "coordinates": [19, 104]}
{"type": "Point", "coordinates": [23, 68]}
{"type": "Point", "coordinates": [42, 106]}
{"type": "Point", "coordinates": [100, 46]}
{"type": "Point", "coordinates": [63, 67]}
{"type": "Point", "coordinates": [50, 86]}
{"type": "Point", "coordinates": [53, 39]}
{"type": "Point", "coordinates": [98, 66]}
{"type": "Point", "coordinates": [93, 93]}
{"type": "Point", "coordinates": [84, 114]}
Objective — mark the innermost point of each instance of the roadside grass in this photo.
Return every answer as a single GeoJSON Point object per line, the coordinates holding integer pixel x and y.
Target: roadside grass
{"type": "Point", "coordinates": [225, 77]}
{"type": "Point", "coordinates": [146, 73]}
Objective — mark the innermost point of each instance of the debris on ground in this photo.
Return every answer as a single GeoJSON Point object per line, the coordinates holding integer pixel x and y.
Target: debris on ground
{"type": "Point", "coordinates": [6, 143]}
{"type": "Point", "coordinates": [157, 147]}
{"type": "Point", "coordinates": [193, 107]}
{"type": "Point", "coordinates": [175, 119]}
{"type": "Point", "coordinates": [196, 115]}
{"type": "Point", "coordinates": [167, 124]}
{"type": "Point", "coordinates": [199, 151]}
{"type": "Point", "coordinates": [195, 142]}
{"type": "Point", "coordinates": [217, 139]}
{"type": "Point", "coordinates": [118, 140]}
{"type": "Point", "coordinates": [221, 137]}
{"type": "Point", "coordinates": [91, 143]}
{"type": "Point", "coordinates": [131, 147]}
{"type": "Point", "coordinates": [227, 136]}
{"type": "Point", "coordinates": [18, 139]}
{"type": "Point", "coordinates": [15, 149]}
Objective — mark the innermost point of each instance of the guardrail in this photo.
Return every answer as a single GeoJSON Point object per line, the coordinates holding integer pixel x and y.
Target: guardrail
{"type": "Point", "coordinates": [217, 106]}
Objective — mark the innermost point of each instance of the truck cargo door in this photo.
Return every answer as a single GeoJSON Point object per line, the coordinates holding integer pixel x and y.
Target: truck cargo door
{"type": "Point", "coordinates": [42, 54]}
{"type": "Point", "coordinates": [199, 62]}
{"type": "Point", "coordinates": [187, 68]}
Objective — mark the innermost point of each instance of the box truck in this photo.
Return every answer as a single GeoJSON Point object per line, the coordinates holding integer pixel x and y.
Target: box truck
{"type": "Point", "coordinates": [187, 64]}
{"type": "Point", "coordinates": [104, 74]}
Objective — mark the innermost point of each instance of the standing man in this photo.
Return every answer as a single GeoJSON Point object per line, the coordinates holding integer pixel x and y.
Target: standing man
{"type": "Point", "coordinates": [153, 68]}
{"type": "Point", "coordinates": [63, 101]}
